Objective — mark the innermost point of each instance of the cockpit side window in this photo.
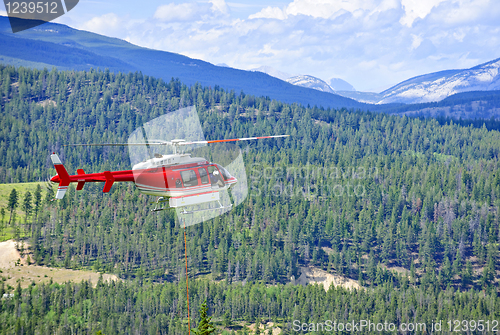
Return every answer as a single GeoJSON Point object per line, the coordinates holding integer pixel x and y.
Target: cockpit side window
{"type": "Point", "coordinates": [203, 175]}
{"type": "Point", "coordinates": [189, 178]}
{"type": "Point", "coordinates": [215, 176]}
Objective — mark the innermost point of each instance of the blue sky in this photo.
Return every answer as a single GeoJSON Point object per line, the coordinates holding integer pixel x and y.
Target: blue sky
{"type": "Point", "coordinates": [372, 44]}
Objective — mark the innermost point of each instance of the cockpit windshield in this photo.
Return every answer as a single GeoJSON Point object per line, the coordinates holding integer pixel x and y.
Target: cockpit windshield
{"type": "Point", "coordinates": [224, 172]}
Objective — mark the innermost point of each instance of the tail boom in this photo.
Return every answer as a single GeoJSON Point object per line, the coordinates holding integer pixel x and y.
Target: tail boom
{"type": "Point", "coordinates": [64, 179]}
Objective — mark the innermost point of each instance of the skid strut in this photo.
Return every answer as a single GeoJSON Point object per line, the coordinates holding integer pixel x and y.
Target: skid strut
{"type": "Point", "coordinates": [159, 201]}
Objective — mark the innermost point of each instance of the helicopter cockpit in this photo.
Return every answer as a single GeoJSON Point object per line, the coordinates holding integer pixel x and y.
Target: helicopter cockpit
{"type": "Point", "coordinates": [225, 174]}
{"type": "Point", "coordinates": [217, 176]}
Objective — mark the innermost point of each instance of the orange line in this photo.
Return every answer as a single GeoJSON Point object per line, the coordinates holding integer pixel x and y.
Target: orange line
{"type": "Point", "coordinates": [219, 141]}
{"type": "Point", "coordinates": [187, 286]}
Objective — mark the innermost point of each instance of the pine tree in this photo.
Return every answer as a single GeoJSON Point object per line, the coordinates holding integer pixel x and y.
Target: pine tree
{"type": "Point", "coordinates": [446, 272]}
{"type": "Point", "coordinates": [457, 263]}
{"type": "Point", "coordinates": [38, 199]}
{"type": "Point", "coordinates": [12, 204]}
{"type": "Point", "coordinates": [227, 319]}
{"type": "Point", "coordinates": [205, 326]}
{"type": "Point", "coordinates": [257, 326]}
{"type": "Point", "coordinates": [467, 274]}
{"type": "Point", "coordinates": [49, 196]}
{"type": "Point", "coordinates": [27, 206]}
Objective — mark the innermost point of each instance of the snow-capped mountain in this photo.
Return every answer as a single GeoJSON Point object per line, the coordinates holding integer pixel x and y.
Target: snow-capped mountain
{"type": "Point", "coordinates": [439, 85]}
{"type": "Point", "coordinates": [273, 72]}
{"type": "Point", "coordinates": [338, 84]}
{"type": "Point", "coordinates": [366, 97]}
{"type": "Point", "coordinates": [310, 82]}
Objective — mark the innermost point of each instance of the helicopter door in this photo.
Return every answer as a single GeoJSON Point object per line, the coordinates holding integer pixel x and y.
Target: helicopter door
{"type": "Point", "coordinates": [215, 177]}
{"type": "Point", "coordinates": [203, 175]}
{"type": "Point", "coordinates": [189, 178]}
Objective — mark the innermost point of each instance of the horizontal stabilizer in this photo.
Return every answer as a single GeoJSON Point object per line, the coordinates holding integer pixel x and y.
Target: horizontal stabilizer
{"type": "Point", "coordinates": [79, 187]}
{"type": "Point", "coordinates": [109, 181]}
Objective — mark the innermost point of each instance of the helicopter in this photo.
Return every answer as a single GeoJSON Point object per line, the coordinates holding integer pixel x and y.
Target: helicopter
{"type": "Point", "coordinates": [178, 178]}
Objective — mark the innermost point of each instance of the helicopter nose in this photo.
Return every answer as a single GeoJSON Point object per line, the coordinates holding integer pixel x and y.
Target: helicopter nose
{"type": "Point", "coordinates": [55, 179]}
{"type": "Point", "coordinates": [232, 181]}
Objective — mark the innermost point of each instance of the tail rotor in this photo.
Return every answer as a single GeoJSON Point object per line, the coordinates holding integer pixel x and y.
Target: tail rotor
{"type": "Point", "coordinates": [50, 188]}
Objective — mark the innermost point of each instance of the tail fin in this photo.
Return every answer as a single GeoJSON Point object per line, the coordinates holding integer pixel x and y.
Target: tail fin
{"type": "Point", "coordinates": [63, 176]}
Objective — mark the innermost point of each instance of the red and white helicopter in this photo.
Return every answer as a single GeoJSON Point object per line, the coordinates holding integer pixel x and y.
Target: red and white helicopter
{"type": "Point", "coordinates": [178, 178]}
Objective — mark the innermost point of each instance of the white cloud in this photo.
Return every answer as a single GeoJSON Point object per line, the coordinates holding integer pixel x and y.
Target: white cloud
{"type": "Point", "coordinates": [191, 11]}
{"type": "Point", "coordinates": [107, 24]}
{"type": "Point", "coordinates": [417, 9]}
{"type": "Point", "coordinates": [3, 13]}
{"type": "Point", "coordinates": [177, 12]}
{"type": "Point", "coordinates": [320, 8]}
{"type": "Point", "coordinates": [459, 12]}
{"type": "Point", "coordinates": [219, 6]}
{"type": "Point", "coordinates": [387, 5]}
{"type": "Point", "coordinates": [327, 9]}
{"type": "Point", "coordinates": [270, 13]}
{"type": "Point", "coordinates": [416, 40]}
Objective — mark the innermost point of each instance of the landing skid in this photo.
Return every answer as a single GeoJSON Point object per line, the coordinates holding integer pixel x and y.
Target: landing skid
{"type": "Point", "coordinates": [207, 209]}
{"type": "Point", "coordinates": [162, 200]}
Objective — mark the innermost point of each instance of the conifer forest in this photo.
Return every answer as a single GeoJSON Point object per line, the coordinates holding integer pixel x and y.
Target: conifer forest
{"type": "Point", "coordinates": [408, 208]}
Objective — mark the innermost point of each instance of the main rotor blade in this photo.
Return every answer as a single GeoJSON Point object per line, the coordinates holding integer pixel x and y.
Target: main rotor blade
{"type": "Point", "coordinates": [173, 143]}
{"type": "Point", "coordinates": [115, 144]}
{"type": "Point", "coordinates": [231, 140]}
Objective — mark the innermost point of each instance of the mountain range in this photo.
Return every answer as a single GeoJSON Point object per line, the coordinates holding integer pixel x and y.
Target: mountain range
{"type": "Point", "coordinates": [439, 85]}
{"type": "Point", "coordinates": [311, 82]}
{"type": "Point", "coordinates": [273, 72]}
{"type": "Point", "coordinates": [432, 87]}
{"type": "Point", "coordinates": [56, 45]}
{"type": "Point", "coordinates": [336, 84]}
{"type": "Point", "coordinates": [435, 87]}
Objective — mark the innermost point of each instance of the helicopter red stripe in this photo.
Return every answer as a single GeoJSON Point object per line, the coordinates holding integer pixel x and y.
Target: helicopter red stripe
{"type": "Point", "coordinates": [165, 177]}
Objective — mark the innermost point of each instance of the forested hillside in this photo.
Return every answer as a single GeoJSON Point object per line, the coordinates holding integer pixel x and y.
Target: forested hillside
{"type": "Point", "coordinates": [408, 207]}
{"type": "Point", "coordinates": [468, 105]}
